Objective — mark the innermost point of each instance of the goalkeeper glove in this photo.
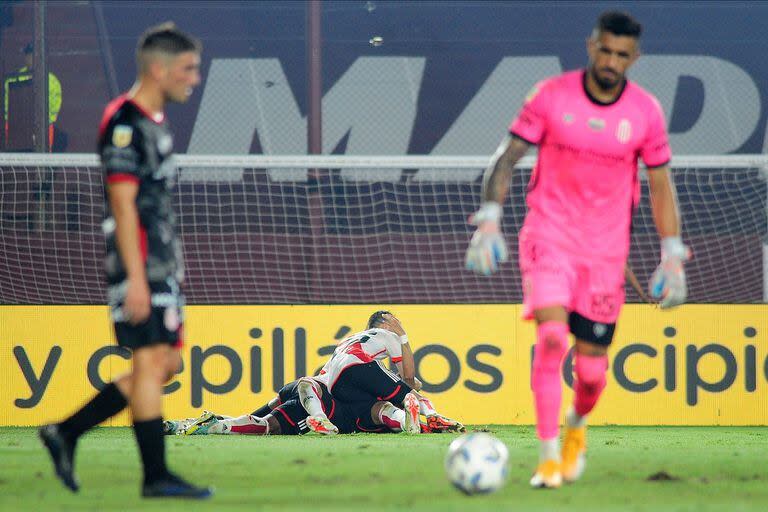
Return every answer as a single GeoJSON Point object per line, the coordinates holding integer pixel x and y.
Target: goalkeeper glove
{"type": "Point", "coordinates": [487, 248]}
{"type": "Point", "coordinates": [668, 281]}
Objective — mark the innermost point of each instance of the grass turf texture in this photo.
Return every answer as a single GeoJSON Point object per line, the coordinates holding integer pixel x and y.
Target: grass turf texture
{"type": "Point", "coordinates": [629, 469]}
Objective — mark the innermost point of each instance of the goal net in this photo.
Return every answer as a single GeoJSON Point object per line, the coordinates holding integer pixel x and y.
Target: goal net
{"type": "Point", "coordinates": [346, 229]}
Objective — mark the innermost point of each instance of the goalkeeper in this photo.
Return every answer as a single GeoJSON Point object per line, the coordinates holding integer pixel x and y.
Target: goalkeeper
{"type": "Point", "coordinates": [590, 127]}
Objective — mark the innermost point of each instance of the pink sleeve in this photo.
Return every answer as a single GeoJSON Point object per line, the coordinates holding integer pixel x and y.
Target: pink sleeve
{"type": "Point", "coordinates": [531, 122]}
{"type": "Point", "coordinates": [655, 150]}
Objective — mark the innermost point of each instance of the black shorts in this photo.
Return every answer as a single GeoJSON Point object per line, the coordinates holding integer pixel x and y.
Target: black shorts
{"type": "Point", "coordinates": [164, 325]}
{"type": "Point", "coordinates": [585, 329]}
{"type": "Point", "coordinates": [292, 418]}
{"type": "Point", "coordinates": [352, 417]}
{"type": "Point", "coordinates": [369, 381]}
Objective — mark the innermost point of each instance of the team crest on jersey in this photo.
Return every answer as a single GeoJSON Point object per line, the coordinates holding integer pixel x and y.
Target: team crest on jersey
{"type": "Point", "coordinates": [624, 131]}
{"type": "Point", "coordinates": [122, 136]}
{"type": "Point", "coordinates": [596, 123]}
{"type": "Point", "coordinates": [600, 330]}
{"type": "Point", "coordinates": [568, 118]}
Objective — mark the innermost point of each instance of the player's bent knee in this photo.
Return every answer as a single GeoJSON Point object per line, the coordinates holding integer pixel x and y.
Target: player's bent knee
{"type": "Point", "coordinates": [551, 345]}
{"type": "Point", "coordinates": [590, 370]}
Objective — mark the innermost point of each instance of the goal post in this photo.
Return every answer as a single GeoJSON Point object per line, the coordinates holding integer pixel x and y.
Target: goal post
{"type": "Point", "coordinates": [257, 229]}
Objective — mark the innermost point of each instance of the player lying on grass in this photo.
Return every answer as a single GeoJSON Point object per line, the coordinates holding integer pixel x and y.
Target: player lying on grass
{"type": "Point", "coordinates": [357, 372]}
{"type": "Point", "coordinates": [354, 373]}
{"type": "Point", "coordinates": [285, 415]}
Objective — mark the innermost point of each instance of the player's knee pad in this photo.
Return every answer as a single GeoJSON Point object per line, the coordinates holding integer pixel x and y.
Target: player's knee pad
{"type": "Point", "coordinates": [551, 346]}
{"type": "Point", "coordinates": [590, 370]}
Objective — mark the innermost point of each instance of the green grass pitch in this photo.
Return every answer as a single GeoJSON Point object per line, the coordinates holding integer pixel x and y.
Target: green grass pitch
{"type": "Point", "coordinates": [713, 468]}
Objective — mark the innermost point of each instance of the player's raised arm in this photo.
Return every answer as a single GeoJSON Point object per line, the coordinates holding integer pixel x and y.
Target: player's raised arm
{"type": "Point", "coordinates": [668, 282]}
{"type": "Point", "coordinates": [487, 248]}
{"type": "Point", "coordinates": [401, 355]}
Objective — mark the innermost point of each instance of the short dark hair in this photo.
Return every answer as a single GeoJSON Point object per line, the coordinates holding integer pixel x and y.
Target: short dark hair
{"type": "Point", "coordinates": [619, 24]}
{"type": "Point", "coordinates": [377, 319]}
{"type": "Point", "coordinates": [165, 38]}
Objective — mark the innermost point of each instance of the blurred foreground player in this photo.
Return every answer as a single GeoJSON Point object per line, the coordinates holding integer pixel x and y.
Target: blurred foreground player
{"type": "Point", "coordinates": [143, 260]}
{"type": "Point", "coordinates": [591, 126]}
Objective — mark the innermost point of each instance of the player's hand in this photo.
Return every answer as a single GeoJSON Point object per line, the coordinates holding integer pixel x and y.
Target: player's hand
{"type": "Point", "coordinates": [487, 248]}
{"type": "Point", "coordinates": [668, 284]}
{"type": "Point", "coordinates": [137, 303]}
{"type": "Point", "coordinates": [391, 323]}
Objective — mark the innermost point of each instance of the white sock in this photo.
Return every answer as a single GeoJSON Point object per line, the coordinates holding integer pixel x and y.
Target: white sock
{"type": "Point", "coordinates": [245, 424]}
{"type": "Point", "coordinates": [392, 417]}
{"type": "Point", "coordinates": [309, 399]}
{"type": "Point", "coordinates": [574, 420]}
{"type": "Point", "coordinates": [425, 406]}
{"type": "Point", "coordinates": [549, 449]}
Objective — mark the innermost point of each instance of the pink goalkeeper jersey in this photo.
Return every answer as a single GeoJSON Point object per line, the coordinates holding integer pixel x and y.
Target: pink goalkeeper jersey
{"type": "Point", "coordinates": [585, 182]}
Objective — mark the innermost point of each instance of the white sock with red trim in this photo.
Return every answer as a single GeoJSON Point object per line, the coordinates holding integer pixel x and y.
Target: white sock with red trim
{"type": "Point", "coordinates": [245, 424]}
{"type": "Point", "coordinates": [309, 396]}
{"type": "Point", "coordinates": [392, 417]}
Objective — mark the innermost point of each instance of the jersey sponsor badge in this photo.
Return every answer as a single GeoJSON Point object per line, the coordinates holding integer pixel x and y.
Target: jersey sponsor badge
{"type": "Point", "coordinates": [122, 136]}
{"type": "Point", "coordinates": [624, 131]}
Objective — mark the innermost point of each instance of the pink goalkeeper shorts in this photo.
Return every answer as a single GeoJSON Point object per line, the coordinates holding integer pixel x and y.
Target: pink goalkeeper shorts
{"type": "Point", "coordinates": [586, 285]}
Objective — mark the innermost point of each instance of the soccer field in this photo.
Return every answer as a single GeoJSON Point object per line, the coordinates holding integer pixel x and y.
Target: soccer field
{"type": "Point", "coordinates": [630, 469]}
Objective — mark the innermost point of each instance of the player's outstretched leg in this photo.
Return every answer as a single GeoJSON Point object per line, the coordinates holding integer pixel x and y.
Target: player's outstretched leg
{"type": "Point", "coordinates": [551, 346]}
{"type": "Point", "coordinates": [210, 423]}
{"type": "Point", "coordinates": [317, 421]}
{"type": "Point", "coordinates": [411, 408]}
{"type": "Point", "coordinates": [589, 384]}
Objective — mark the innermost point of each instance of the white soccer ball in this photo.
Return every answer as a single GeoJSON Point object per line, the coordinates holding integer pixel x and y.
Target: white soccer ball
{"type": "Point", "coordinates": [477, 463]}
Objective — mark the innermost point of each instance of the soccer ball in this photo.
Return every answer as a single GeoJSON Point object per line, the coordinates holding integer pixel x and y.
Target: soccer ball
{"type": "Point", "coordinates": [477, 463]}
